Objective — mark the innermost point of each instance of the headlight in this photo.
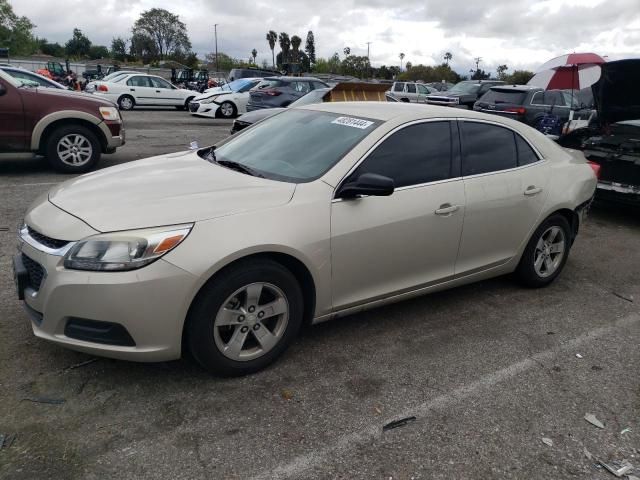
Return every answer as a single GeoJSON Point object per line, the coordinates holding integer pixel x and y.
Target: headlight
{"type": "Point", "coordinates": [208, 100]}
{"type": "Point", "coordinates": [121, 251]}
{"type": "Point", "coordinates": [109, 113]}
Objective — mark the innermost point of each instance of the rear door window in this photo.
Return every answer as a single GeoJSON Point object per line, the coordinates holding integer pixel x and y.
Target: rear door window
{"type": "Point", "coordinates": [414, 155]}
{"type": "Point", "coordinates": [411, 88]}
{"type": "Point", "coordinates": [486, 148]}
{"type": "Point", "coordinates": [526, 155]}
{"type": "Point", "coordinates": [139, 82]}
{"type": "Point", "coordinates": [398, 87]}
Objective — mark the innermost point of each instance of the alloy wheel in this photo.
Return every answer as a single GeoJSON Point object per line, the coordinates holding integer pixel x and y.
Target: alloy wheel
{"type": "Point", "coordinates": [226, 109]}
{"type": "Point", "coordinates": [549, 252]}
{"type": "Point", "coordinates": [74, 150]}
{"type": "Point", "coordinates": [251, 321]}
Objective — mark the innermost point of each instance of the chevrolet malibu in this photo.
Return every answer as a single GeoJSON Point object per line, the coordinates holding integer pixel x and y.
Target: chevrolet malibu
{"type": "Point", "coordinates": [315, 213]}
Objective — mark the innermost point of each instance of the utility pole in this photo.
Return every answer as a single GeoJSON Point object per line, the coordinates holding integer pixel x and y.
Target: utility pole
{"type": "Point", "coordinates": [215, 29]}
{"type": "Point", "coordinates": [478, 60]}
{"type": "Point", "coordinates": [368, 60]}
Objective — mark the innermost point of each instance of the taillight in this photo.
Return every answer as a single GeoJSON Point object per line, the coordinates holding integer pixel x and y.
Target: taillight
{"type": "Point", "coordinates": [595, 167]}
{"type": "Point", "coordinates": [102, 88]}
{"type": "Point", "coordinates": [519, 110]}
{"type": "Point", "coordinates": [271, 93]}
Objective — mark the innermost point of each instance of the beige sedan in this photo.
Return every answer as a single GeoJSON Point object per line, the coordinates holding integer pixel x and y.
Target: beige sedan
{"type": "Point", "coordinates": [312, 214]}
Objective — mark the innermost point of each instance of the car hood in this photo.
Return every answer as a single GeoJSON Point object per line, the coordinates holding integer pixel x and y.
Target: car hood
{"type": "Point", "coordinates": [216, 90]}
{"type": "Point", "coordinates": [205, 95]}
{"type": "Point", "coordinates": [616, 93]}
{"type": "Point", "coordinates": [165, 190]}
{"type": "Point", "coordinates": [257, 115]}
{"type": "Point", "coordinates": [71, 97]}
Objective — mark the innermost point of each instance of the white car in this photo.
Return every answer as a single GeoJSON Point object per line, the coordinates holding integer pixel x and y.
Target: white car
{"type": "Point", "coordinates": [112, 77]}
{"type": "Point", "coordinates": [227, 101]}
{"type": "Point", "coordinates": [141, 89]}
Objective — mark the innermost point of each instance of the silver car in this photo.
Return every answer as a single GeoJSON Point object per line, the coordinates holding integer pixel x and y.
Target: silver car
{"type": "Point", "coordinates": [312, 214]}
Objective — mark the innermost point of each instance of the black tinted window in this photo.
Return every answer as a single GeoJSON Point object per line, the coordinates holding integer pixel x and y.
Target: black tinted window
{"type": "Point", "coordinates": [416, 154]}
{"type": "Point", "coordinates": [487, 148]}
{"type": "Point", "coordinates": [398, 87]}
{"type": "Point", "coordinates": [496, 97]}
{"type": "Point", "coordinates": [526, 155]}
{"type": "Point", "coordinates": [411, 88]}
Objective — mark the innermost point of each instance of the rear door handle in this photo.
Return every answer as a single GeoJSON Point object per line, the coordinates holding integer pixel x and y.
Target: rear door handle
{"type": "Point", "coordinates": [132, 89]}
{"type": "Point", "coordinates": [447, 209]}
{"type": "Point", "coordinates": [158, 91]}
{"type": "Point", "coordinates": [532, 190]}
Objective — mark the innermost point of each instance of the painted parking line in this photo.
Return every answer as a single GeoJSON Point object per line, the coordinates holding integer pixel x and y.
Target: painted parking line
{"type": "Point", "coordinates": [302, 463]}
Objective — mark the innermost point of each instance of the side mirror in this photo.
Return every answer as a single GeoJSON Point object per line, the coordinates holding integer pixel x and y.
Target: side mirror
{"type": "Point", "coordinates": [3, 89]}
{"type": "Point", "coordinates": [367, 184]}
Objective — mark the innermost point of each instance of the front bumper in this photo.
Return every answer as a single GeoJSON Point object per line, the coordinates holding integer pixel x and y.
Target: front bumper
{"type": "Point", "coordinates": [150, 304]}
{"type": "Point", "coordinates": [204, 109]}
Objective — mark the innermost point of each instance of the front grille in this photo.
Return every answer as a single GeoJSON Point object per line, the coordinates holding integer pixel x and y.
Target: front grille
{"type": "Point", "coordinates": [46, 241]}
{"type": "Point", "coordinates": [193, 106]}
{"type": "Point", "coordinates": [36, 272]}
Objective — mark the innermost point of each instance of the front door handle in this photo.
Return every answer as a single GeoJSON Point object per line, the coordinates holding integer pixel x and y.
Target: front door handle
{"type": "Point", "coordinates": [158, 91]}
{"type": "Point", "coordinates": [532, 190]}
{"type": "Point", "coordinates": [447, 209]}
{"type": "Point", "coordinates": [132, 89]}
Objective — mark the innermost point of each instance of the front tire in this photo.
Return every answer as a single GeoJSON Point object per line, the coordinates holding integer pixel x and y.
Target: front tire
{"type": "Point", "coordinates": [73, 149]}
{"type": "Point", "coordinates": [245, 319]}
{"type": "Point", "coordinates": [228, 110]}
{"type": "Point", "coordinates": [546, 253]}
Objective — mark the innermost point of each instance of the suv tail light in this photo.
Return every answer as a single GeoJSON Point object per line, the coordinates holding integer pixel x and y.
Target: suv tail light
{"type": "Point", "coordinates": [595, 167]}
{"type": "Point", "coordinates": [102, 88]}
{"type": "Point", "coordinates": [271, 93]}
{"type": "Point", "coordinates": [519, 110]}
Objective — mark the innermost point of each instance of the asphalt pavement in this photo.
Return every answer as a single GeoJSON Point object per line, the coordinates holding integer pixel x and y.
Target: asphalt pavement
{"type": "Point", "coordinates": [480, 374]}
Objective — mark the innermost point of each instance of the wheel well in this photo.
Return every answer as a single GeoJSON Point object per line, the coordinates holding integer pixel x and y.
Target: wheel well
{"type": "Point", "coordinates": [295, 266]}
{"type": "Point", "coordinates": [572, 218]}
{"type": "Point", "coordinates": [66, 122]}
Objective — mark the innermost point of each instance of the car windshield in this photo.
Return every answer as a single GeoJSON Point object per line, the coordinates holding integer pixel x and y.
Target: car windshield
{"type": "Point", "coordinates": [297, 145]}
{"type": "Point", "coordinates": [465, 87]}
{"type": "Point", "coordinates": [237, 85]}
{"type": "Point", "coordinates": [315, 96]}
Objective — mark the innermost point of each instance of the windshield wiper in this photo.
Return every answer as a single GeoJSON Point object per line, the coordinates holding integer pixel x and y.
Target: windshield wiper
{"type": "Point", "coordinates": [238, 167]}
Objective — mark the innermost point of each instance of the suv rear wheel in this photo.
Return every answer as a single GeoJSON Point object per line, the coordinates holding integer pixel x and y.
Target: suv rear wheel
{"type": "Point", "coordinates": [72, 149]}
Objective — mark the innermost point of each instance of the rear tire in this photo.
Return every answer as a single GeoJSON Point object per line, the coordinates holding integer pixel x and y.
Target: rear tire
{"type": "Point", "coordinates": [542, 260]}
{"type": "Point", "coordinates": [245, 318]}
{"type": "Point", "coordinates": [72, 149]}
{"type": "Point", "coordinates": [126, 102]}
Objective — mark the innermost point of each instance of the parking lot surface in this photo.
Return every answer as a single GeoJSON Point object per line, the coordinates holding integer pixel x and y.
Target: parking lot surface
{"type": "Point", "coordinates": [487, 370]}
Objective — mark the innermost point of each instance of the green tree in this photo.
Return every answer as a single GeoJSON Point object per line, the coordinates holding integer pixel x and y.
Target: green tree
{"type": "Point", "coordinates": [165, 30]}
{"type": "Point", "coordinates": [272, 37]}
{"type": "Point", "coordinates": [53, 49]}
{"type": "Point", "coordinates": [98, 51]}
{"type": "Point", "coordinates": [480, 74]}
{"type": "Point", "coordinates": [501, 70]}
{"type": "Point", "coordinates": [401, 56]}
{"type": "Point", "coordinates": [78, 45]}
{"type": "Point", "coordinates": [408, 66]}
{"type": "Point", "coordinates": [119, 48]}
{"type": "Point", "coordinates": [346, 51]}
{"type": "Point", "coordinates": [285, 45]}
{"type": "Point", "coordinates": [519, 77]}
{"type": "Point", "coordinates": [16, 32]}
{"type": "Point", "coordinates": [310, 48]}
{"type": "Point", "coordinates": [356, 66]}
{"type": "Point", "coordinates": [447, 57]}
{"type": "Point", "coordinates": [143, 48]}
{"type": "Point", "coordinates": [254, 54]}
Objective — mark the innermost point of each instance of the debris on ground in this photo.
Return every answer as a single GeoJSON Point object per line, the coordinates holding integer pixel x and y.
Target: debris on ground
{"type": "Point", "coordinates": [556, 368]}
{"type": "Point", "coordinates": [377, 410]}
{"type": "Point", "coordinates": [81, 364]}
{"type": "Point", "coordinates": [578, 355]}
{"type": "Point", "coordinates": [628, 298]}
{"type": "Point", "coordinates": [551, 333]}
{"type": "Point", "coordinates": [626, 430]}
{"type": "Point", "coordinates": [619, 469]}
{"type": "Point", "coordinates": [547, 441]}
{"type": "Point", "coordinates": [596, 368]}
{"type": "Point", "coordinates": [398, 423]}
{"type": "Point", "coordinates": [50, 401]}
{"type": "Point", "coordinates": [589, 417]}
{"type": "Point", "coordinates": [6, 440]}
{"type": "Point", "coordinates": [287, 394]}
{"type": "Point", "coordinates": [587, 453]}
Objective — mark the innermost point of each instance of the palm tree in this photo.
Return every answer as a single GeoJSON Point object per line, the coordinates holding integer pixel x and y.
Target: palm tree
{"type": "Point", "coordinates": [447, 57]}
{"type": "Point", "coordinates": [346, 51]}
{"type": "Point", "coordinates": [254, 54]}
{"type": "Point", "coordinates": [295, 44]}
{"type": "Point", "coordinates": [401, 58]}
{"type": "Point", "coordinates": [271, 38]}
{"type": "Point", "coordinates": [285, 44]}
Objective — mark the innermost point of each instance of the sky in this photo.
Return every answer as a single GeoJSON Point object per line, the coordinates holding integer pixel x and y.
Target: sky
{"type": "Point", "coordinates": [522, 34]}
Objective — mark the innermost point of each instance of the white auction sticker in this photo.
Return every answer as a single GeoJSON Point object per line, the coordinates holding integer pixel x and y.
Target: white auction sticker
{"type": "Point", "coordinates": [353, 122]}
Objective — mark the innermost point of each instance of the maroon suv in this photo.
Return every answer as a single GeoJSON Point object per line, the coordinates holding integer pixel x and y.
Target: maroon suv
{"type": "Point", "coordinates": [70, 129]}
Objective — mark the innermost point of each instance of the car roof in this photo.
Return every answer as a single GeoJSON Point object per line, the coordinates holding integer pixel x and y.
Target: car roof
{"type": "Point", "coordinates": [295, 79]}
{"type": "Point", "coordinates": [517, 88]}
{"type": "Point", "coordinates": [386, 111]}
